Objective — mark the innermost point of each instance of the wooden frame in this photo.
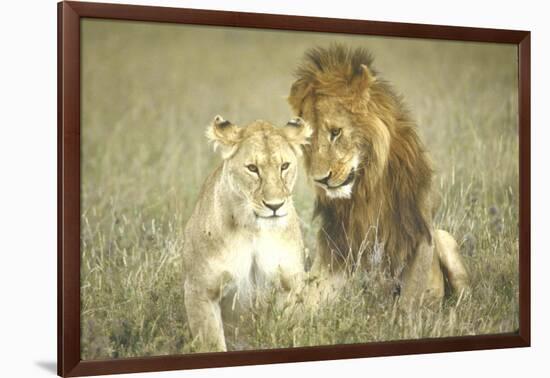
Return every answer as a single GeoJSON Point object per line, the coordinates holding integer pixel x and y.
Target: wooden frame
{"type": "Point", "coordinates": [69, 15]}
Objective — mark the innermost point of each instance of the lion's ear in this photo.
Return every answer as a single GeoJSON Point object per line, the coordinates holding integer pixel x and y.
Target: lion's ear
{"type": "Point", "coordinates": [297, 132]}
{"type": "Point", "coordinates": [224, 135]}
{"type": "Point", "coordinates": [364, 79]}
{"type": "Point", "coordinates": [298, 92]}
{"type": "Point", "coordinates": [360, 85]}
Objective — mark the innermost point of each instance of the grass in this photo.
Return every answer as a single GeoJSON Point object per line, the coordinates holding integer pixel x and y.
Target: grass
{"type": "Point", "coordinates": [149, 91]}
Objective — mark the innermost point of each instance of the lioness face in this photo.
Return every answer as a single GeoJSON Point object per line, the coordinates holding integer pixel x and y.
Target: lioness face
{"type": "Point", "coordinates": [260, 166]}
{"type": "Point", "coordinates": [333, 157]}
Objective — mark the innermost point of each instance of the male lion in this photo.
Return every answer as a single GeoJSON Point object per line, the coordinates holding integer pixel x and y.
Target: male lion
{"type": "Point", "coordinates": [243, 236]}
{"type": "Point", "coordinates": [373, 178]}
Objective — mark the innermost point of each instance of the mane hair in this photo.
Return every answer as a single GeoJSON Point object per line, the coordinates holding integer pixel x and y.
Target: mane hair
{"type": "Point", "coordinates": [392, 201]}
{"type": "Point", "coordinates": [336, 60]}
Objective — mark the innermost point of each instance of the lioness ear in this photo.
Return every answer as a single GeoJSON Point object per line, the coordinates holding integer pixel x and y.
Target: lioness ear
{"type": "Point", "coordinates": [224, 135]}
{"type": "Point", "coordinates": [298, 92]}
{"type": "Point", "coordinates": [297, 132]}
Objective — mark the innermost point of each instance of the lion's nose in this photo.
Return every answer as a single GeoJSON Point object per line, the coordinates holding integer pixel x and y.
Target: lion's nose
{"type": "Point", "coordinates": [325, 179]}
{"type": "Point", "coordinates": [274, 206]}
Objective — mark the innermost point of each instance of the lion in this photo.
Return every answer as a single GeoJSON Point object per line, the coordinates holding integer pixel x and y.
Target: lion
{"type": "Point", "coordinates": [373, 178]}
{"type": "Point", "coordinates": [243, 237]}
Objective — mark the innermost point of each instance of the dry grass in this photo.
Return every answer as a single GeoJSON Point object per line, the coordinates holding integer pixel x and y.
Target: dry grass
{"type": "Point", "coordinates": [148, 92]}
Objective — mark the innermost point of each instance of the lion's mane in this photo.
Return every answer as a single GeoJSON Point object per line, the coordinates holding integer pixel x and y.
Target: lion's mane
{"type": "Point", "coordinates": [392, 198]}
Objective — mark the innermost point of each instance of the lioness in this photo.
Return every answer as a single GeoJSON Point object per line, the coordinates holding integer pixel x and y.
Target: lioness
{"type": "Point", "coordinates": [374, 179]}
{"type": "Point", "coordinates": [243, 236]}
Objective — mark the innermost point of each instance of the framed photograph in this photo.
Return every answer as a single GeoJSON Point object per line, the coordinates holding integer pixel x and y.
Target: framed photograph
{"type": "Point", "coordinates": [240, 188]}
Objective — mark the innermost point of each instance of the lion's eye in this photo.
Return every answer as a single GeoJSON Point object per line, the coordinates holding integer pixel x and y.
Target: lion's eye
{"type": "Point", "coordinates": [252, 168]}
{"type": "Point", "coordinates": [285, 166]}
{"type": "Point", "coordinates": [335, 133]}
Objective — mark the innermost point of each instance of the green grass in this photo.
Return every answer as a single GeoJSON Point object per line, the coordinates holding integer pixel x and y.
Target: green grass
{"type": "Point", "coordinates": [149, 90]}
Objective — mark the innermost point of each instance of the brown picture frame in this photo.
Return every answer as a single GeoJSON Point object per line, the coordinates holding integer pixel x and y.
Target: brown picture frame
{"type": "Point", "coordinates": [69, 16]}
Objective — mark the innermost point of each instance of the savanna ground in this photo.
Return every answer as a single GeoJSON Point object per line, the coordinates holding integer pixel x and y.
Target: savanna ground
{"type": "Point", "coordinates": [149, 90]}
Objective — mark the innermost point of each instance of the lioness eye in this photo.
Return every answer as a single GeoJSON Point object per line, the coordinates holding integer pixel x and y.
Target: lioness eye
{"type": "Point", "coordinates": [252, 168]}
{"type": "Point", "coordinates": [334, 133]}
{"type": "Point", "coordinates": [285, 166]}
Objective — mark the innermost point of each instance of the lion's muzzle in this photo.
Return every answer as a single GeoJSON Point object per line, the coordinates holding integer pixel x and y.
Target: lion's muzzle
{"type": "Point", "coordinates": [340, 189]}
{"type": "Point", "coordinates": [271, 210]}
{"type": "Point", "coordinates": [325, 181]}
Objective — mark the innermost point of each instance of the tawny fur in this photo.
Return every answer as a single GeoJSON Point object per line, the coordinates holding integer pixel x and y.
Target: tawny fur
{"type": "Point", "coordinates": [236, 248]}
{"type": "Point", "coordinates": [391, 202]}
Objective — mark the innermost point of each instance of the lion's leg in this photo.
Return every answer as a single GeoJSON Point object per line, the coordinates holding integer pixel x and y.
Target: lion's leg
{"type": "Point", "coordinates": [205, 320]}
{"type": "Point", "coordinates": [290, 290]}
{"type": "Point", "coordinates": [451, 261]}
{"type": "Point", "coordinates": [324, 281]}
{"type": "Point", "coordinates": [422, 280]}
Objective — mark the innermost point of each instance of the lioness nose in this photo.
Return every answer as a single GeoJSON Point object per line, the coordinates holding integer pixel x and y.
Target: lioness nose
{"type": "Point", "coordinates": [325, 179]}
{"type": "Point", "coordinates": [274, 206]}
